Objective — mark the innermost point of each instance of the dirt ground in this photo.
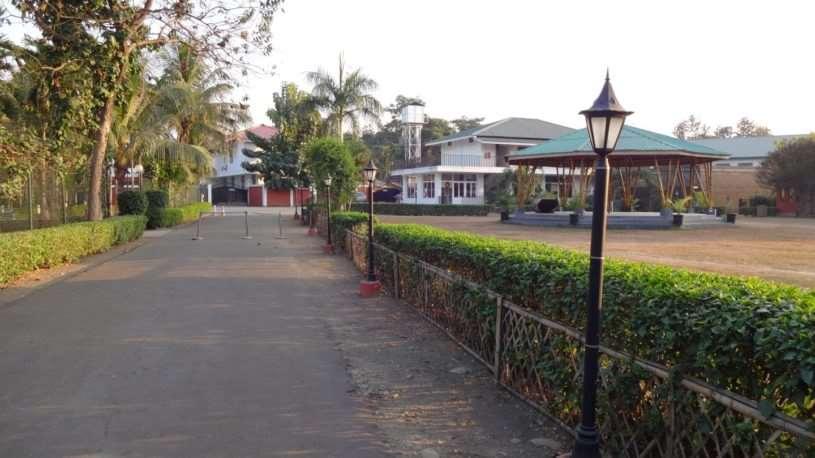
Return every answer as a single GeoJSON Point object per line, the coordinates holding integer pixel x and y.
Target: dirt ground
{"type": "Point", "coordinates": [778, 249]}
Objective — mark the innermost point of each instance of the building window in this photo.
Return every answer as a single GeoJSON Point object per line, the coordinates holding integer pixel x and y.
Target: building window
{"type": "Point", "coordinates": [461, 184]}
{"type": "Point", "coordinates": [429, 186]}
{"type": "Point", "coordinates": [411, 187]}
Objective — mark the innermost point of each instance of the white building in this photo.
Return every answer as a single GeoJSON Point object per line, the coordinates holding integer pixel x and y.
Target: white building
{"type": "Point", "coordinates": [234, 185]}
{"type": "Point", "coordinates": [466, 159]}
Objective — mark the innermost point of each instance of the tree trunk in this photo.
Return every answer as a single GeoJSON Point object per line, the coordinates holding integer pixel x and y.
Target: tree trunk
{"type": "Point", "coordinates": [97, 159]}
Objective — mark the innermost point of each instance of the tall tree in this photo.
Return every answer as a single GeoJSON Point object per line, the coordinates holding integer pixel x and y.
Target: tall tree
{"type": "Point", "coordinates": [107, 39]}
{"type": "Point", "coordinates": [464, 123]}
{"type": "Point", "coordinates": [747, 128]}
{"type": "Point", "coordinates": [346, 98]}
{"type": "Point", "coordinates": [329, 157]}
{"type": "Point", "coordinates": [691, 128]}
{"type": "Point", "coordinates": [280, 159]}
{"type": "Point", "coordinates": [791, 168]}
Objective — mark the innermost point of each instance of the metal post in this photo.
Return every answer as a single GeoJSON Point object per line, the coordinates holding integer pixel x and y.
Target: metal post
{"type": "Point", "coordinates": [329, 246]}
{"type": "Point", "coordinates": [30, 202]}
{"type": "Point", "coordinates": [499, 302]}
{"type": "Point", "coordinates": [64, 200]}
{"type": "Point", "coordinates": [246, 225]}
{"type": "Point", "coordinates": [371, 273]}
{"type": "Point", "coordinates": [198, 228]}
{"type": "Point", "coordinates": [588, 435]}
{"type": "Point", "coordinates": [280, 226]}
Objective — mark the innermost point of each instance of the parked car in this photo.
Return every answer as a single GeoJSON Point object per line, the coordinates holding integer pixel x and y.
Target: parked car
{"type": "Point", "coordinates": [387, 195]}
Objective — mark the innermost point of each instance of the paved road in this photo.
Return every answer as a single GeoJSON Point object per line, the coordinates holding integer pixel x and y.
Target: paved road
{"type": "Point", "coordinates": [184, 348]}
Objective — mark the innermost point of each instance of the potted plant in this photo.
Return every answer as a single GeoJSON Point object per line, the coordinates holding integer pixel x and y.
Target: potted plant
{"type": "Point", "coordinates": [667, 208]}
{"type": "Point", "coordinates": [678, 207]}
{"type": "Point", "coordinates": [576, 206]}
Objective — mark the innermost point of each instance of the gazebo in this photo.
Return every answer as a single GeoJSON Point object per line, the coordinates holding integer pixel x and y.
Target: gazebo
{"type": "Point", "coordinates": [682, 168]}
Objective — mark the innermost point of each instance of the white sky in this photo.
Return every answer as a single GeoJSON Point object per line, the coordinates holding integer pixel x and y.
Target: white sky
{"type": "Point", "coordinates": [719, 60]}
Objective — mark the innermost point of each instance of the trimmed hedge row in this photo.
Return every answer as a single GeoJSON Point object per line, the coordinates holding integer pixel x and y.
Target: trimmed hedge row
{"type": "Point", "coordinates": [749, 336]}
{"type": "Point", "coordinates": [41, 248]}
{"type": "Point", "coordinates": [381, 208]}
{"type": "Point", "coordinates": [132, 203]}
{"type": "Point", "coordinates": [169, 217]}
{"type": "Point", "coordinates": [340, 221]}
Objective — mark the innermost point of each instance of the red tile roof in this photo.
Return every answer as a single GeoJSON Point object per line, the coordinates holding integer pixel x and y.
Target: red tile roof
{"type": "Point", "coordinates": [261, 130]}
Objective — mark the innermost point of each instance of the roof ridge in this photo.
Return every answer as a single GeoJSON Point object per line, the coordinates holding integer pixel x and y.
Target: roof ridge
{"type": "Point", "coordinates": [490, 125]}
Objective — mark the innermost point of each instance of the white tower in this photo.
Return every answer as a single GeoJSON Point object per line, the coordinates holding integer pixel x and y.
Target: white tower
{"type": "Point", "coordinates": [412, 118]}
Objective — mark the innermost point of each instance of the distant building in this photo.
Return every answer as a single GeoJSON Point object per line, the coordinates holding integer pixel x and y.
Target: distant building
{"type": "Point", "coordinates": [455, 169]}
{"type": "Point", "coordinates": [234, 185]}
{"type": "Point", "coordinates": [735, 178]}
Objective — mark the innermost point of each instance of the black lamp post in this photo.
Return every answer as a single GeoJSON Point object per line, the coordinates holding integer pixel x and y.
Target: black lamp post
{"type": "Point", "coordinates": [604, 122]}
{"type": "Point", "coordinates": [329, 247]}
{"type": "Point", "coordinates": [370, 287]}
{"type": "Point", "coordinates": [313, 193]}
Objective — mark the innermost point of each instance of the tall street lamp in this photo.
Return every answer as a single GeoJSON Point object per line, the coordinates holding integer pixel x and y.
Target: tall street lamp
{"type": "Point", "coordinates": [329, 247]}
{"type": "Point", "coordinates": [370, 286]}
{"type": "Point", "coordinates": [604, 122]}
{"type": "Point", "coordinates": [313, 193]}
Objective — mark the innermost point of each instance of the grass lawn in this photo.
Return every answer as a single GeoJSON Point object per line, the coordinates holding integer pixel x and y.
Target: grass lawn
{"type": "Point", "coordinates": [779, 249]}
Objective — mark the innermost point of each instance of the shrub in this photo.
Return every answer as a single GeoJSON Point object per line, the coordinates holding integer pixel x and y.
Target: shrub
{"type": "Point", "coordinates": [340, 221]}
{"type": "Point", "coordinates": [169, 217]}
{"type": "Point", "coordinates": [132, 203]}
{"type": "Point", "coordinates": [749, 336]}
{"type": "Point", "coordinates": [382, 208]}
{"type": "Point", "coordinates": [156, 202]}
{"type": "Point", "coordinates": [42, 248]}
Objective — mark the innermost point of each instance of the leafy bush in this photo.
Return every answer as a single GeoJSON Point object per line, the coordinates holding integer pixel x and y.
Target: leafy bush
{"type": "Point", "coordinates": [132, 203]}
{"type": "Point", "coordinates": [341, 221]}
{"type": "Point", "coordinates": [749, 336]}
{"type": "Point", "coordinates": [41, 248]}
{"type": "Point", "coordinates": [381, 208]}
{"type": "Point", "coordinates": [169, 217]}
{"type": "Point", "coordinates": [157, 201]}
{"type": "Point", "coordinates": [77, 212]}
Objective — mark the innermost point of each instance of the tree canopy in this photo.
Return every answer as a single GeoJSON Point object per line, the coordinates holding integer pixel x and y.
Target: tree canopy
{"type": "Point", "coordinates": [791, 168]}
{"type": "Point", "coordinates": [692, 128]}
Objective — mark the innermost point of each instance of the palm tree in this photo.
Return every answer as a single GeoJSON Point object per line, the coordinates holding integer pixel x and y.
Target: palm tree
{"type": "Point", "coordinates": [346, 99]}
{"type": "Point", "coordinates": [177, 121]}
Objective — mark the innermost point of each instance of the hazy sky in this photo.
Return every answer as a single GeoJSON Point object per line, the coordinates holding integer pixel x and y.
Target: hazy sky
{"type": "Point", "coordinates": [720, 60]}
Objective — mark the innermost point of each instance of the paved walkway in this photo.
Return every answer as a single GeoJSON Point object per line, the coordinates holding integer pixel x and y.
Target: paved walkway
{"type": "Point", "coordinates": [230, 347]}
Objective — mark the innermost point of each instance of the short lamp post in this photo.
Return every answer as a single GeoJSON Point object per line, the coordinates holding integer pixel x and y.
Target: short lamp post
{"type": "Point", "coordinates": [312, 230]}
{"type": "Point", "coordinates": [370, 286]}
{"type": "Point", "coordinates": [329, 247]}
{"type": "Point", "coordinates": [604, 122]}
{"type": "Point", "coordinates": [297, 198]}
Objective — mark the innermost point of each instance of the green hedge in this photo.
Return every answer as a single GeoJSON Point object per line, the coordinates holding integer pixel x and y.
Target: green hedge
{"type": "Point", "coordinates": [382, 208]}
{"type": "Point", "coordinates": [132, 203]}
{"type": "Point", "coordinates": [169, 217]}
{"type": "Point", "coordinates": [749, 336]}
{"type": "Point", "coordinates": [340, 221]}
{"type": "Point", "coordinates": [157, 201]}
{"type": "Point", "coordinates": [42, 248]}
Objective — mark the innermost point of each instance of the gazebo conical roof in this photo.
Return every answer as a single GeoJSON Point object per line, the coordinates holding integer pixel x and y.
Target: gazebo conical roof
{"type": "Point", "coordinates": [635, 146]}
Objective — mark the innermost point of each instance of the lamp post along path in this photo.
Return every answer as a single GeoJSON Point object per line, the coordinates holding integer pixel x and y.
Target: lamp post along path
{"type": "Point", "coordinates": [370, 286]}
{"type": "Point", "coordinates": [329, 247]}
{"type": "Point", "coordinates": [604, 122]}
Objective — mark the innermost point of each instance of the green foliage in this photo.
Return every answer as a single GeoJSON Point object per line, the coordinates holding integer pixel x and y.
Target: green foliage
{"type": "Point", "coordinates": [575, 203]}
{"type": "Point", "coordinates": [27, 251]}
{"type": "Point", "coordinates": [382, 208]}
{"type": "Point", "coordinates": [700, 200]}
{"type": "Point", "coordinates": [132, 203]}
{"type": "Point", "coordinates": [342, 221]}
{"type": "Point", "coordinates": [749, 336]}
{"type": "Point", "coordinates": [169, 217]}
{"type": "Point", "coordinates": [328, 156]}
{"type": "Point", "coordinates": [156, 201]}
{"type": "Point", "coordinates": [680, 205]}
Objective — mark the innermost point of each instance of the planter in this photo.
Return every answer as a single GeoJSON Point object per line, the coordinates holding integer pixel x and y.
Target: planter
{"type": "Point", "coordinates": [574, 218]}
{"type": "Point", "coordinates": [504, 215]}
{"type": "Point", "coordinates": [731, 218]}
{"type": "Point", "coordinates": [666, 212]}
{"type": "Point", "coordinates": [678, 219]}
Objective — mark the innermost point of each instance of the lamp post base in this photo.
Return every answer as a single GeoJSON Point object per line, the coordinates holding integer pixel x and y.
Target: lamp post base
{"type": "Point", "coordinates": [296, 216]}
{"type": "Point", "coordinates": [369, 288]}
{"type": "Point", "coordinates": [328, 248]}
{"type": "Point", "coordinates": [587, 444]}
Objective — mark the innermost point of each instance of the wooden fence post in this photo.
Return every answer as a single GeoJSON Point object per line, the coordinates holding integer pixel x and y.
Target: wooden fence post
{"type": "Point", "coordinates": [395, 275]}
{"type": "Point", "coordinates": [498, 318]}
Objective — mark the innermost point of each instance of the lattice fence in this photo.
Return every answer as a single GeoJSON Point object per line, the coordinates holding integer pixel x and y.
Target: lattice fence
{"type": "Point", "coordinates": [645, 410]}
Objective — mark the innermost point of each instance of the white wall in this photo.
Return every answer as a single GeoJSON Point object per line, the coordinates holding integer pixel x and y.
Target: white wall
{"type": "Point", "coordinates": [225, 165]}
{"type": "Point", "coordinates": [462, 152]}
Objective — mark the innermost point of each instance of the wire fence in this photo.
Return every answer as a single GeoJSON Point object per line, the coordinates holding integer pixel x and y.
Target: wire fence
{"type": "Point", "coordinates": [49, 198]}
{"type": "Point", "coordinates": [645, 409]}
